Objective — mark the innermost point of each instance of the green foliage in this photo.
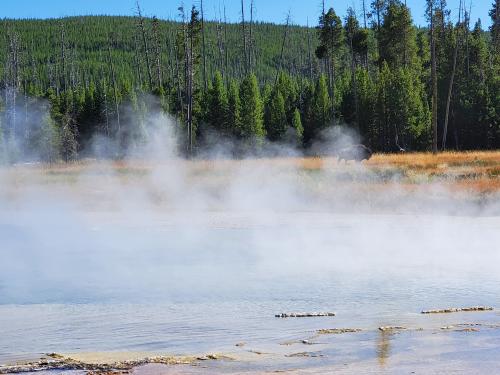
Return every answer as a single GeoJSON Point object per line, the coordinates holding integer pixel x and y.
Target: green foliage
{"type": "Point", "coordinates": [49, 140]}
{"type": "Point", "coordinates": [398, 37]}
{"type": "Point", "coordinates": [276, 121]}
{"type": "Point", "coordinates": [103, 86]}
{"type": "Point", "coordinates": [252, 111]}
{"type": "Point", "coordinates": [297, 126]}
{"type": "Point", "coordinates": [320, 105]}
{"type": "Point", "coordinates": [234, 109]}
{"type": "Point", "coordinates": [218, 106]}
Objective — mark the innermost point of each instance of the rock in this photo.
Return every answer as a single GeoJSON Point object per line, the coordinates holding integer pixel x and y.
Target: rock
{"type": "Point", "coordinates": [337, 331]}
{"type": "Point", "coordinates": [454, 310]}
{"type": "Point", "coordinates": [304, 354]}
{"type": "Point", "coordinates": [305, 315]}
{"type": "Point", "coordinates": [391, 328]}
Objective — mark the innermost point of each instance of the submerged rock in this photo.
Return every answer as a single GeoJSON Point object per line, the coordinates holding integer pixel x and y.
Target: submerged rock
{"type": "Point", "coordinates": [337, 331]}
{"type": "Point", "coordinates": [304, 315]}
{"type": "Point", "coordinates": [304, 355]}
{"type": "Point", "coordinates": [455, 309]}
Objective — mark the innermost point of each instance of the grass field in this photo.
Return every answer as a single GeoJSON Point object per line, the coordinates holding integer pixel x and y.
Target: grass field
{"type": "Point", "coordinates": [399, 182]}
{"type": "Point", "coordinates": [470, 170]}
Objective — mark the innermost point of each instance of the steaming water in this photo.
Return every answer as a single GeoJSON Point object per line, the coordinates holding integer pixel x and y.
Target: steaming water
{"type": "Point", "coordinates": [181, 283]}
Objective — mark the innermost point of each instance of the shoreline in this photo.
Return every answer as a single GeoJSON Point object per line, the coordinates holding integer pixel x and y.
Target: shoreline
{"type": "Point", "coordinates": [391, 348]}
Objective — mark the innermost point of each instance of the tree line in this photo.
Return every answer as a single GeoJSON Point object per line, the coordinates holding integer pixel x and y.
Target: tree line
{"type": "Point", "coordinates": [67, 82]}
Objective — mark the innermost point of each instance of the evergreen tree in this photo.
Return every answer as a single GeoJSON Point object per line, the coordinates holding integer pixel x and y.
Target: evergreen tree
{"type": "Point", "coordinates": [297, 127]}
{"type": "Point", "coordinates": [252, 112]}
{"type": "Point", "coordinates": [217, 104]}
{"type": "Point", "coordinates": [397, 39]}
{"type": "Point", "coordinates": [320, 106]}
{"type": "Point", "coordinates": [234, 110]}
{"type": "Point", "coordinates": [331, 37]}
{"type": "Point", "coordinates": [276, 121]}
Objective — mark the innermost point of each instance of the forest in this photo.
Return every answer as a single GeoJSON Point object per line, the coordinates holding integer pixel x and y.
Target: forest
{"type": "Point", "coordinates": [67, 82]}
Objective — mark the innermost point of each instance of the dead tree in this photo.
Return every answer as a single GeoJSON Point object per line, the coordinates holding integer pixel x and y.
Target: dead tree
{"type": "Point", "coordinates": [220, 47]}
{"type": "Point", "coordinates": [350, 34]}
{"type": "Point", "coordinates": [157, 50]}
{"type": "Point", "coordinates": [244, 35]}
{"type": "Point", "coordinates": [226, 50]}
{"type": "Point", "coordinates": [63, 59]}
{"type": "Point", "coordinates": [433, 79]}
{"type": "Point", "coordinates": [142, 28]}
{"type": "Point", "coordinates": [452, 77]}
{"type": "Point", "coordinates": [12, 81]}
{"type": "Point", "coordinates": [113, 80]}
{"type": "Point", "coordinates": [137, 60]}
{"type": "Point", "coordinates": [309, 51]}
{"type": "Point", "coordinates": [283, 43]}
{"type": "Point", "coordinates": [203, 45]}
{"type": "Point", "coordinates": [250, 39]}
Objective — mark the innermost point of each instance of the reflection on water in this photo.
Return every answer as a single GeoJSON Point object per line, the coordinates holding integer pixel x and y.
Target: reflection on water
{"type": "Point", "coordinates": [383, 347]}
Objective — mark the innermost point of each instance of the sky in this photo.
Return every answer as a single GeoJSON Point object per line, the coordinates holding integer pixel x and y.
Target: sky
{"type": "Point", "coordinates": [302, 11]}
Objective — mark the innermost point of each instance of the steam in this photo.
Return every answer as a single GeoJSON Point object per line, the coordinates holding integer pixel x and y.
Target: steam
{"type": "Point", "coordinates": [161, 226]}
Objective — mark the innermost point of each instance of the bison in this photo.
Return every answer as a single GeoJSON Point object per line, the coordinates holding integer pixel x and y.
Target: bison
{"type": "Point", "coordinates": [355, 152]}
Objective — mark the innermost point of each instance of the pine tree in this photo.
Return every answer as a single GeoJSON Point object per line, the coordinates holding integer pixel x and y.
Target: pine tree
{"type": "Point", "coordinates": [252, 112]}
{"type": "Point", "coordinates": [397, 38]}
{"type": "Point", "coordinates": [495, 27]}
{"type": "Point", "coordinates": [320, 107]}
{"type": "Point", "coordinates": [276, 121]}
{"type": "Point", "coordinates": [297, 126]}
{"type": "Point", "coordinates": [234, 110]}
{"type": "Point", "coordinates": [331, 37]}
{"type": "Point", "coordinates": [218, 104]}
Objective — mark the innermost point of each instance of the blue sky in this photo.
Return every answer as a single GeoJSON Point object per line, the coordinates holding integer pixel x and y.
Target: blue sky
{"type": "Point", "coordinates": [266, 10]}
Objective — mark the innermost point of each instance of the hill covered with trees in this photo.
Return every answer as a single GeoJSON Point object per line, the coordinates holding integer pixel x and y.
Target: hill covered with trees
{"type": "Point", "coordinates": [67, 81]}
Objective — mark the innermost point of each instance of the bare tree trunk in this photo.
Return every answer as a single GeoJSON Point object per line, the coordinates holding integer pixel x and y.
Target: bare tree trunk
{"type": "Point", "coordinates": [378, 37]}
{"type": "Point", "coordinates": [190, 72]}
{"type": "Point", "coordinates": [157, 50]}
{"type": "Point", "coordinates": [203, 45]}
{"type": "Point", "coordinates": [434, 85]}
{"type": "Point", "coordinates": [354, 81]}
{"type": "Point", "coordinates": [285, 34]}
{"type": "Point", "coordinates": [220, 48]}
{"type": "Point", "coordinates": [467, 38]}
{"type": "Point", "coordinates": [452, 78]}
{"type": "Point", "coordinates": [63, 59]}
{"type": "Point", "coordinates": [226, 69]}
{"type": "Point", "coordinates": [364, 13]}
{"type": "Point", "coordinates": [245, 49]}
{"type": "Point", "coordinates": [250, 41]}
{"type": "Point", "coordinates": [309, 49]}
{"type": "Point", "coordinates": [105, 96]}
{"type": "Point", "coordinates": [145, 44]}
{"type": "Point", "coordinates": [115, 88]}
{"type": "Point", "coordinates": [137, 60]}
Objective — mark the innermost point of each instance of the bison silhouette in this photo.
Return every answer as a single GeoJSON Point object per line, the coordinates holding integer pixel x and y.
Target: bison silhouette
{"type": "Point", "coordinates": [355, 152]}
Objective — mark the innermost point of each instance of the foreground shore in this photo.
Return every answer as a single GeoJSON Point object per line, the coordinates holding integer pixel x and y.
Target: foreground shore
{"type": "Point", "coordinates": [459, 348]}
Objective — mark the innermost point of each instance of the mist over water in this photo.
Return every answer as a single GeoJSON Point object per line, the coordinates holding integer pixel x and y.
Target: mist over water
{"type": "Point", "coordinates": [179, 256]}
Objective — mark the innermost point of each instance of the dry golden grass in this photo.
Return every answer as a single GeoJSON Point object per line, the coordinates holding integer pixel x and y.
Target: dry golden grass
{"type": "Point", "coordinates": [465, 171]}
